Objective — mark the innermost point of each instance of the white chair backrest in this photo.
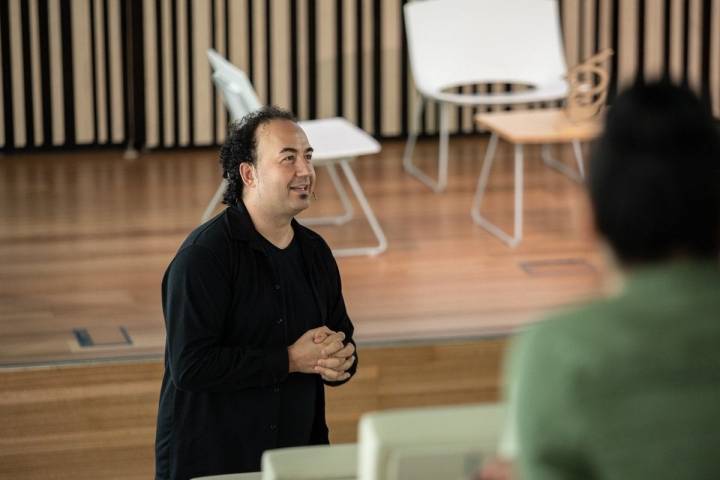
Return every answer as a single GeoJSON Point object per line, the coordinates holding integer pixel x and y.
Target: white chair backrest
{"type": "Point", "coordinates": [389, 442]}
{"type": "Point", "coordinates": [319, 462]}
{"type": "Point", "coordinates": [461, 42]}
{"type": "Point", "coordinates": [237, 91]}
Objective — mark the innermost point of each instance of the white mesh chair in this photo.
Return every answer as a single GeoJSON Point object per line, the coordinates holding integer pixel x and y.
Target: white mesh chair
{"type": "Point", "coordinates": [335, 142]}
{"type": "Point", "coordinates": [453, 43]}
{"type": "Point", "coordinates": [428, 443]}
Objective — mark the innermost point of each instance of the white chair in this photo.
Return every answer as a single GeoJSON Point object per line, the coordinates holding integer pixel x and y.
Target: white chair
{"type": "Point", "coordinates": [318, 462]}
{"type": "Point", "coordinates": [428, 443]}
{"type": "Point", "coordinates": [321, 462]}
{"type": "Point", "coordinates": [233, 476]}
{"type": "Point", "coordinates": [463, 42]}
{"type": "Point", "coordinates": [335, 142]}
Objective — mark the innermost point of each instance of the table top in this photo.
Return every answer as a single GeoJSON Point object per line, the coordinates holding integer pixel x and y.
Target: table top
{"type": "Point", "coordinates": [539, 126]}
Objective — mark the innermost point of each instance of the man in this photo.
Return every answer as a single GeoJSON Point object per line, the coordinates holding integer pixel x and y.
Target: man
{"type": "Point", "coordinates": [254, 313]}
{"type": "Point", "coordinates": [628, 387]}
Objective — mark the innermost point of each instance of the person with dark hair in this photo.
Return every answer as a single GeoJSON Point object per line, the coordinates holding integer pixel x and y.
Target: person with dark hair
{"type": "Point", "coordinates": [628, 386]}
{"type": "Point", "coordinates": [254, 313]}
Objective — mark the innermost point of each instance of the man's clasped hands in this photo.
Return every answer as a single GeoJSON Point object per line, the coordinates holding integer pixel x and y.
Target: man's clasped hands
{"type": "Point", "coordinates": [322, 351]}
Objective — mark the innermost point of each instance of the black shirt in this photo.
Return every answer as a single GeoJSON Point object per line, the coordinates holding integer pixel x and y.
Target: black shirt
{"type": "Point", "coordinates": [225, 388]}
{"type": "Point", "coordinates": [297, 392]}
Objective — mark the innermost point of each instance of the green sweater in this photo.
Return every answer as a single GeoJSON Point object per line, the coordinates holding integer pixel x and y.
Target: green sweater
{"type": "Point", "coordinates": [626, 388]}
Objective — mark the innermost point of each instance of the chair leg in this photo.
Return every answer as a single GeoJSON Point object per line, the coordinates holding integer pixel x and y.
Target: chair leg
{"type": "Point", "coordinates": [369, 214]}
{"type": "Point", "coordinates": [414, 131]}
{"type": "Point", "coordinates": [214, 202]}
{"type": "Point", "coordinates": [443, 152]}
{"type": "Point", "coordinates": [556, 164]}
{"type": "Point", "coordinates": [439, 184]}
{"type": "Point", "coordinates": [577, 149]}
{"type": "Point", "coordinates": [478, 218]}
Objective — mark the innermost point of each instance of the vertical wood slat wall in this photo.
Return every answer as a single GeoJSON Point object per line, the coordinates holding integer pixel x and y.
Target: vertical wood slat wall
{"type": "Point", "coordinates": [134, 72]}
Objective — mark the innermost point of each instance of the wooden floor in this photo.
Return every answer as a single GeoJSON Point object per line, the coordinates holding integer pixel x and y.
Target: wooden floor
{"type": "Point", "coordinates": [85, 238]}
{"type": "Point", "coordinates": [94, 422]}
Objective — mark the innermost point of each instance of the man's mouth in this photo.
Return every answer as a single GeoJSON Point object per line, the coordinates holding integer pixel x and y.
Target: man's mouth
{"type": "Point", "coordinates": [300, 188]}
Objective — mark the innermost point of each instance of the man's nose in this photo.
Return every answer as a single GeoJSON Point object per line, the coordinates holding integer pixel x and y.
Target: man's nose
{"type": "Point", "coordinates": [303, 168]}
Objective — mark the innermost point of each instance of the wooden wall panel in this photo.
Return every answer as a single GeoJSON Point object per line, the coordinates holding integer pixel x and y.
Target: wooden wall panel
{"type": "Point", "coordinates": [135, 73]}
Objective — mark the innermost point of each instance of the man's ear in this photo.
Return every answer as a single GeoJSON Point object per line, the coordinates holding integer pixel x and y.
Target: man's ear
{"type": "Point", "coordinates": [247, 173]}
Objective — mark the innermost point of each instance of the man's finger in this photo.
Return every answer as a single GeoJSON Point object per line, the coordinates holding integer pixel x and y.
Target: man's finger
{"type": "Point", "coordinates": [320, 334]}
{"type": "Point", "coordinates": [333, 344]}
{"type": "Point", "coordinates": [344, 377]}
{"type": "Point", "coordinates": [335, 336]}
{"type": "Point", "coordinates": [320, 337]}
{"type": "Point", "coordinates": [332, 362]}
{"type": "Point", "coordinates": [335, 363]}
{"type": "Point", "coordinates": [348, 350]}
{"type": "Point", "coordinates": [321, 331]}
{"type": "Point", "coordinates": [332, 375]}
{"type": "Point", "coordinates": [348, 363]}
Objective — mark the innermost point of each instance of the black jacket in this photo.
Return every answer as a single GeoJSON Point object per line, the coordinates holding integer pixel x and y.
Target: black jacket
{"type": "Point", "coordinates": [226, 353]}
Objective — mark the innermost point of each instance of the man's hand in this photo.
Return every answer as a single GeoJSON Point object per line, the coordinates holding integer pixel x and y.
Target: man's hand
{"type": "Point", "coordinates": [303, 355]}
{"type": "Point", "coordinates": [496, 469]}
{"type": "Point", "coordinates": [339, 358]}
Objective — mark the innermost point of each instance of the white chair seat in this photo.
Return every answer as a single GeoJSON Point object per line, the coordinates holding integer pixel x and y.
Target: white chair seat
{"type": "Point", "coordinates": [557, 90]}
{"type": "Point", "coordinates": [336, 138]}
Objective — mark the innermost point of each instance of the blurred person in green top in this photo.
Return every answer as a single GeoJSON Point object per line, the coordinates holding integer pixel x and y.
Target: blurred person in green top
{"type": "Point", "coordinates": [629, 387]}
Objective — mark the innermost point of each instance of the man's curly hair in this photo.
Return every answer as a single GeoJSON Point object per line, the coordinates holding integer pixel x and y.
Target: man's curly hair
{"type": "Point", "coordinates": [241, 147]}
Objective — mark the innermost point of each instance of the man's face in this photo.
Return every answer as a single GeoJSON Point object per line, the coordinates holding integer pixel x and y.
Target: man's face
{"type": "Point", "coordinates": [284, 174]}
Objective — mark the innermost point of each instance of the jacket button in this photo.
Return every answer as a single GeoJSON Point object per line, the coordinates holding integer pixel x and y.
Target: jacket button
{"type": "Point", "coordinates": [277, 286]}
{"type": "Point", "coordinates": [280, 320]}
{"type": "Point", "coordinates": [273, 427]}
{"type": "Point", "coordinates": [276, 389]}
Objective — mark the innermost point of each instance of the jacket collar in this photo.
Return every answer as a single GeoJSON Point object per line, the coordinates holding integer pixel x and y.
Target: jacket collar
{"type": "Point", "coordinates": [241, 227]}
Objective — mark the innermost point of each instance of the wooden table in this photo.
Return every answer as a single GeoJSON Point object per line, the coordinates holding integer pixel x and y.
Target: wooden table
{"type": "Point", "coordinates": [545, 127]}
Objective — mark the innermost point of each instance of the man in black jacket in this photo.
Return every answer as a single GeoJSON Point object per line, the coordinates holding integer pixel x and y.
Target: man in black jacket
{"type": "Point", "coordinates": [254, 313]}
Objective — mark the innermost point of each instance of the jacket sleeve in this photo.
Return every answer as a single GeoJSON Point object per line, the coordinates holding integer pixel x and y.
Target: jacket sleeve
{"type": "Point", "coordinates": [197, 297]}
{"type": "Point", "coordinates": [338, 319]}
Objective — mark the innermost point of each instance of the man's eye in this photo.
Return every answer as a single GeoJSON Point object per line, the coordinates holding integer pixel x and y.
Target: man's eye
{"type": "Point", "coordinates": [290, 158]}
{"type": "Point", "coordinates": [308, 157]}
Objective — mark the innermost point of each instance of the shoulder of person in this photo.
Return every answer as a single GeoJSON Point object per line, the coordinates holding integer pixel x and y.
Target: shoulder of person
{"type": "Point", "coordinates": [583, 347]}
{"type": "Point", "coordinates": [211, 239]}
{"type": "Point", "coordinates": [582, 333]}
{"type": "Point", "coordinates": [578, 321]}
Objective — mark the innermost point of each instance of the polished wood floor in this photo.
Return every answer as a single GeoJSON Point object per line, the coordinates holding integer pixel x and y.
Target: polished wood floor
{"type": "Point", "coordinates": [85, 238]}
{"type": "Point", "coordinates": [97, 421]}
